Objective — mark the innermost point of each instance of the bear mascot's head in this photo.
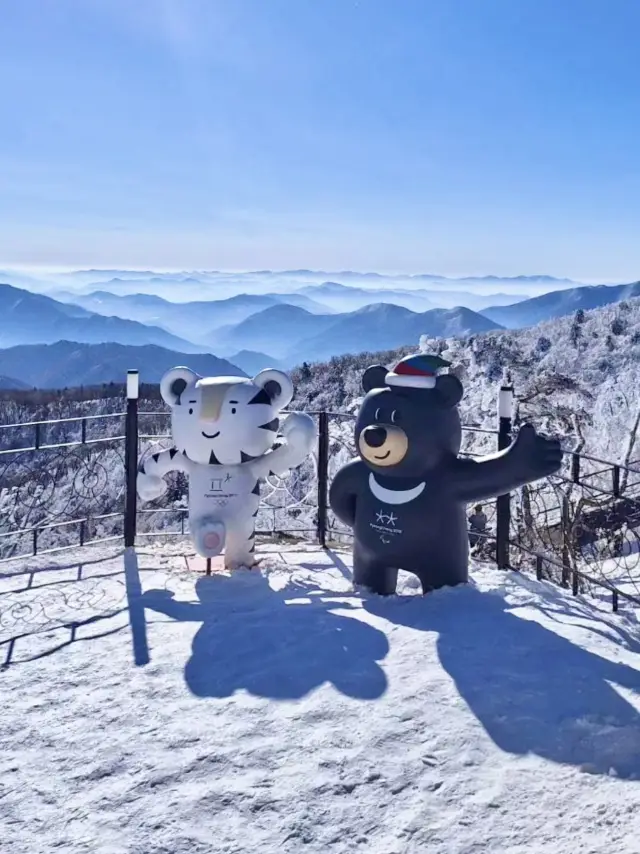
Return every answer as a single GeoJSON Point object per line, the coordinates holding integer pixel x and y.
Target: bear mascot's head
{"type": "Point", "coordinates": [409, 422]}
{"type": "Point", "coordinates": [225, 420]}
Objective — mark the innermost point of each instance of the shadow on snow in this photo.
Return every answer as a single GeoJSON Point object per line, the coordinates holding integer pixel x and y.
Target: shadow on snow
{"type": "Point", "coordinates": [533, 691]}
{"type": "Point", "coordinates": [277, 644]}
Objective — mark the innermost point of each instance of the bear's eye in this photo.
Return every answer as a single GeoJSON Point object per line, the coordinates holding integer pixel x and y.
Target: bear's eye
{"type": "Point", "coordinates": [233, 410]}
{"type": "Point", "coordinates": [191, 412]}
{"type": "Point", "coordinates": [394, 416]}
{"type": "Point", "coordinates": [376, 414]}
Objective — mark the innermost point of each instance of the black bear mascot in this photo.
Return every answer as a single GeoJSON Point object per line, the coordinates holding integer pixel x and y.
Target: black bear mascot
{"type": "Point", "coordinates": [405, 496]}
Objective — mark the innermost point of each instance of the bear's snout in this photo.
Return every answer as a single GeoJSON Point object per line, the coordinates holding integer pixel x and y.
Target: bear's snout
{"type": "Point", "coordinates": [375, 437]}
{"type": "Point", "coordinates": [383, 445]}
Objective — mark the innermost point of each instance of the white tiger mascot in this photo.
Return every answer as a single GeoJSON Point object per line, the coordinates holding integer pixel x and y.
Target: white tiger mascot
{"type": "Point", "coordinates": [224, 431]}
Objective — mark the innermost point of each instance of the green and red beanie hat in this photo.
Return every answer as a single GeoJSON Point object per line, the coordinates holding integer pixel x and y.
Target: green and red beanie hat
{"type": "Point", "coordinates": [418, 371]}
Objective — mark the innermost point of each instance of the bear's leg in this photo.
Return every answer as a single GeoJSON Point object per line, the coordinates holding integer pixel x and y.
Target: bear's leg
{"type": "Point", "coordinates": [443, 570]}
{"type": "Point", "coordinates": [374, 574]}
{"type": "Point", "coordinates": [208, 536]}
{"type": "Point", "coordinates": [241, 544]}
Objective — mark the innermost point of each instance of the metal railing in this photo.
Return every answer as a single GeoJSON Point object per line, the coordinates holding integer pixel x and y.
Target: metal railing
{"type": "Point", "coordinates": [70, 482]}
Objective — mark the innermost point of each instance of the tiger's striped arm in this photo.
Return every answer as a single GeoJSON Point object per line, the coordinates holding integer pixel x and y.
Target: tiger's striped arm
{"type": "Point", "coordinates": [299, 433]}
{"type": "Point", "coordinates": [151, 483]}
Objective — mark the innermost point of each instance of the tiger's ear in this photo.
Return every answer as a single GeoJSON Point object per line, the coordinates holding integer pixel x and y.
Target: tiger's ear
{"type": "Point", "coordinates": [174, 382]}
{"type": "Point", "coordinates": [277, 385]}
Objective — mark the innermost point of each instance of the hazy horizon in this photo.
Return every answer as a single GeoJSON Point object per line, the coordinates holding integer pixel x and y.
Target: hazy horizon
{"type": "Point", "coordinates": [175, 286]}
{"type": "Point", "coordinates": [155, 269]}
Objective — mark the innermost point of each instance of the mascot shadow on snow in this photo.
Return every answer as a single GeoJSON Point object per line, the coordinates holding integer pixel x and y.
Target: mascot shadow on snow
{"type": "Point", "coordinates": [227, 437]}
{"type": "Point", "coordinates": [406, 495]}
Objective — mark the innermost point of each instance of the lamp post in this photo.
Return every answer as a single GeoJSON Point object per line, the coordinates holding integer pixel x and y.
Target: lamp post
{"type": "Point", "coordinates": [131, 458]}
{"type": "Point", "coordinates": [503, 502]}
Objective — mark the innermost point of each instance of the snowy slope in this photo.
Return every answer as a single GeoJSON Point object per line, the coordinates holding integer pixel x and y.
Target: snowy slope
{"type": "Point", "coordinates": [277, 711]}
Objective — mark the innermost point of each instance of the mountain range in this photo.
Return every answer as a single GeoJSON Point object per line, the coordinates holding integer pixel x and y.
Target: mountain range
{"type": "Point", "coordinates": [559, 303]}
{"type": "Point", "coordinates": [11, 384]}
{"type": "Point", "coordinates": [188, 319]}
{"type": "Point", "coordinates": [67, 363]}
{"type": "Point", "coordinates": [29, 318]}
{"type": "Point", "coordinates": [577, 381]}
{"type": "Point", "coordinates": [198, 285]}
{"type": "Point", "coordinates": [288, 328]}
{"type": "Point", "coordinates": [351, 297]}
{"type": "Point", "coordinates": [252, 331]}
{"type": "Point", "coordinates": [252, 361]}
{"type": "Point", "coordinates": [137, 299]}
{"type": "Point", "coordinates": [185, 318]}
{"type": "Point", "coordinates": [293, 335]}
{"type": "Point", "coordinates": [87, 278]}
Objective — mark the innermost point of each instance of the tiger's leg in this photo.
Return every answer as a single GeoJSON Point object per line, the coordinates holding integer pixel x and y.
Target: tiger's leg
{"type": "Point", "coordinates": [208, 536]}
{"type": "Point", "coordinates": [241, 543]}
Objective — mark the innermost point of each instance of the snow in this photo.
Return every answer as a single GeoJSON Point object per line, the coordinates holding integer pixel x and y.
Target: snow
{"type": "Point", "coordinates": [279, 710]}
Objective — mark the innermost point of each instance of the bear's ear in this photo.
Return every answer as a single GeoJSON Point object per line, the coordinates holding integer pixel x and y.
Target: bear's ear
{"type": "Point", "coordinates": [374, 377]}
{"type": "Point", "coordinates": [277, 386]}
{"type": "Point", "coordinates": [449, 388]}
{"type": "Point", "coordinates": [174, 382]}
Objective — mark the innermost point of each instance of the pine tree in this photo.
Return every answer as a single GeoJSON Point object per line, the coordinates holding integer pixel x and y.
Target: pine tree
{"type": "Point", "coordinates": [576, 327]}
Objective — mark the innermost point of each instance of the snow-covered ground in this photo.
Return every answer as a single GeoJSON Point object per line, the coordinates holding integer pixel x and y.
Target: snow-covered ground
{"type": "Point", "coordinates": [149, 710]}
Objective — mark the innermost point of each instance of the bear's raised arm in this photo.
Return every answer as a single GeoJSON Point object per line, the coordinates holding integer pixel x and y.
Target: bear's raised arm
{"type": "Point", "coordinates": [344, 490]}
{"type": "Point", "coordinates": [299, 432]}
{"type": "Point", "coordinates": [529, 458]}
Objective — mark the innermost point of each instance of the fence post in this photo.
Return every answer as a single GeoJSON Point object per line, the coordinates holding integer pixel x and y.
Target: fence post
{"type": "Point", "coordinates": [131, 459]}
{"type": "Point", "coordinates": [575, 468]}
{"type": "Point", "coordinates": [616, 481]}
{"type": "Point", "coordinates": [323, 476]}
{"type": "Point", "coordinates": [503, 503]}
{"type": "Point", "coordinates": [566, 544]}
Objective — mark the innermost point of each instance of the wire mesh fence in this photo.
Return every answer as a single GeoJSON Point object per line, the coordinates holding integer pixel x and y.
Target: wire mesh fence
{"type": "Point", "coordinates": [63, 484]}
{"type": "Point", "coordinates": [581, 527]}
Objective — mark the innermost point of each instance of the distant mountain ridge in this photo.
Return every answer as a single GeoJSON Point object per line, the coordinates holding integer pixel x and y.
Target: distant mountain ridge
{"type": "Point", "coordinates": [274, 324]}
{"type": "Point", "coordinates": [383, 326]}
{"type": "Point", "coordinates": [272, 330]}
{"type": "Point", "coordinates": [101, 274]}
{"type": "Point", "coordinates": [351, 297]}
{"type": "Point", "coordinates": [352, 274]}
{"type": "Point", "coordinates": [293, 335]}
{"type": "Point", "coordinates": [192, 285]}
{"type": "Point", "coordinates": [580, 382]}
{"type": "Point", "coordinates": [253, 362]}
{"type": "Point", "coordinates": [192, 320]}
{"type": "Point", "coordinates": [559, 303]}
{"type": "Point", "coordinates": [29, 318]}
{"type": "Point", "coordinates": [68, 363]}
{"type": "Point", "coordinates": [11, 384]}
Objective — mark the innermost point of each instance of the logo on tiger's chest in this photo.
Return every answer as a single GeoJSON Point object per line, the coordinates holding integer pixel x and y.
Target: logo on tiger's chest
{"type": "Point", "coordinates": [220, 490]}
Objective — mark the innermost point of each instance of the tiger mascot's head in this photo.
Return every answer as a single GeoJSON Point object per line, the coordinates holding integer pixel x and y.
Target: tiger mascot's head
{"type": "Point", "coordinates": [225, 420]}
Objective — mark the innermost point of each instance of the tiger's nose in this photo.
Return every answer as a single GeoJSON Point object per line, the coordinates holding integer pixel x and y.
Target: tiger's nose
{"type": "Point", "coordinates": [375, 437]}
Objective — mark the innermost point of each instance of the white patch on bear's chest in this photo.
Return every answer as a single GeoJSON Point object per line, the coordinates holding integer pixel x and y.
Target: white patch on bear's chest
{"type": "Point", "coordinates": [394, 496]}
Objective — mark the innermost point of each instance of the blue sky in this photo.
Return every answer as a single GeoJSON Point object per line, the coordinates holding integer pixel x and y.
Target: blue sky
{"type": "Point", "coordinates": [446, 136]}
